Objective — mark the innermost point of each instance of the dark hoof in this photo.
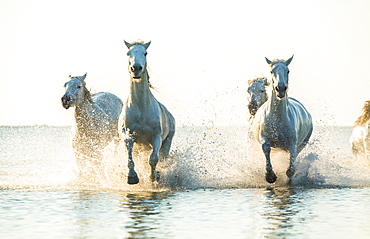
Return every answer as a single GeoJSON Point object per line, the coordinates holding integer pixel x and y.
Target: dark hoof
{"type": "Point", "coordinates": [155, 177]}
{"type": "Point", "coordinates": [133, 180]}
{"type": "Point", "coordinates": [270, 176]}
{"type": "Point", "coordinates": [289, 173]}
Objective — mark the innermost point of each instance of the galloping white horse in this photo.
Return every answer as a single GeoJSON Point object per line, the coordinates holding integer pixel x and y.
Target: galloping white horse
{"type": "Point", "coordinates": [360, 137]}
{"type": "Point", "coordinates": [257, 90]}
{"type": "Point", "coordinates": [281, 122]}
{"type": "Point", "coordinates": [145, 120]}
{"type": "Point", "coordinates": [96, 117]}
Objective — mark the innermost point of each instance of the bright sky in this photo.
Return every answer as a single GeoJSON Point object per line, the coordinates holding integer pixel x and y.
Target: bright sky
{"type": "Point", "coordinates": [201, 57]}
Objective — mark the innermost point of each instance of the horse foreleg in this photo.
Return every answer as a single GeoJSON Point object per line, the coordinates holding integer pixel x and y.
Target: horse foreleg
{"type": "Point", "coordinates": [266, 148]}
{"type": "Point", "coordinates": [154, 156]}
{"type": "Point", "coordinates": [293, 155]}
{"type": "Point", "coordinates": [132, 175]}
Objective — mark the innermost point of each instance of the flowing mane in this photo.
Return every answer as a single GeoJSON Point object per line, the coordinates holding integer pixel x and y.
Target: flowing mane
{"type": "Point", "coordinates": [263, 80]}
{"type": "Point", "coordinates": [275, 61]}
{"type": "Point", "coordinates": [137, 42]}
{"type": "Point", "coordinates": [361, 121]}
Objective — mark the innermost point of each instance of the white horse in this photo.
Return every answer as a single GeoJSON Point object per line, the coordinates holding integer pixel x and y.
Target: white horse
{"type": "Point", "coordinates": [145, 120]}
{"type": "Point", "coordinates": [360, 137]}
{"type": "Point", "coordinates": [257, 90]}
{"type": "Point", "coordinates": [96, 118]}
{"type": "Point", "coordinates": [281, 122]}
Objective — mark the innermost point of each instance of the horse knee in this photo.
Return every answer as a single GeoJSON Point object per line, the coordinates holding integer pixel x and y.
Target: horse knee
{"type": "Point", "coordinates": [153, 160]}
{"type": "Point", "coordinates": [266, 147]}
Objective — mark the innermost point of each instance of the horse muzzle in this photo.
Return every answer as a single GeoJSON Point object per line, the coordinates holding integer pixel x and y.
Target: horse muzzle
{"type": "Point", "coordinates": [253, 107]}
{"type": "Point", "coordinates": [281, 91]}
{"type": "Point", "coordinates": [136, 71]}
{"type": "Point", "coordinates": [66, 102]}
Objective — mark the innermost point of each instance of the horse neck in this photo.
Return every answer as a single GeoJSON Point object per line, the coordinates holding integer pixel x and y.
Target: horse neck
{"type": "Point", "coordinates": [83, 114]}
{"type": "Point", "coordinates": [140, 93]}
{"type": "Point", "coordinates": [278, 106]}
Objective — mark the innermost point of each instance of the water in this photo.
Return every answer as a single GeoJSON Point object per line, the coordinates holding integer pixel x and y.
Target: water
{"type": "Point", "coordinates": [212, 186]}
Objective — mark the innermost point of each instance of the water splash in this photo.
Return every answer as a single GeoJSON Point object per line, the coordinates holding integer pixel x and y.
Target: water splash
{"type": "Point", "coordinates": [202, 157]}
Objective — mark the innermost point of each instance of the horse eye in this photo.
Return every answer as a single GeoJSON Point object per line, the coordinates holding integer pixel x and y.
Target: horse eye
{"type": "Point", "coordinates": [78, 86]}
{"type": "Point", "coordinates": [288, 72]}
{"type": "Point", "coordinates": [271, 72]}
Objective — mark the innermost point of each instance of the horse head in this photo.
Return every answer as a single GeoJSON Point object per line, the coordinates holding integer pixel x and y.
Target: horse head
{"type": "Point", "coordinates": [280, 75]}
{"type": "Point", "coordinates": [137, 58]}
{"type": "Point", "coordinates": [257, 94]}
{"type": "Point", "coordinates": [76, 91]}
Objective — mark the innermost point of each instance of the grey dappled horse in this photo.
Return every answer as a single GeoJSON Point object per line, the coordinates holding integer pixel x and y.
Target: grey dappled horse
{"type": "Point", "coordinates": [145, 120]}
{"type": "Point", "coordinates": [96, 117]}
{"type": "Point", "coordinates": [281, 122]}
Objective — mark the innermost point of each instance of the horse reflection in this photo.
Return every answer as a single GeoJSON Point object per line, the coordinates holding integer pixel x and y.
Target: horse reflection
{"type": "Point", "coordinates": [285, 204]}
{"type": "Point", "coordinates": [144, 208]}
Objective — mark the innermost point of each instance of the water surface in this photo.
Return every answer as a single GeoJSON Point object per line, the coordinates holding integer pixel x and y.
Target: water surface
{"type": "Point", "coordinates": [212, 187]}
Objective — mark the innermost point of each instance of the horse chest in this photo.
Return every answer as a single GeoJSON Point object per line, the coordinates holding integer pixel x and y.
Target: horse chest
{"type": "Point", "coordinates": [141, 127]}
{"type": "Point", "coordinates": [278, 133]}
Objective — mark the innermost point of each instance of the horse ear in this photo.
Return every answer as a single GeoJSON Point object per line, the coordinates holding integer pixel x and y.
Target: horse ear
{"type": "Point", "coordinates": [146, 45]}
{"type": "Point", "coordinates": [268, 61]}
{"type": "Point", "coordinates": [265, 82]}
{"type": "Point", "coordinates": [84, 76]}
{"type": "Point", "coordinates": [287, 62]}
{"type": "Point", "coordinates": [128, 44]}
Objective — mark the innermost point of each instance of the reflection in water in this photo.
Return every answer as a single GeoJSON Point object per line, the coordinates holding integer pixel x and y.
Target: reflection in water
{"type": "Point", "coordinates": [282, 211]}
{"type": "Point", "coordinates": [145, 212]}
{"type": "Point", "coordinates": [123, 214]}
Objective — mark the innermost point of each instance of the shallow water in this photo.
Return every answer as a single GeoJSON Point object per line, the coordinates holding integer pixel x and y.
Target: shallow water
{"type": "Point", "coordinates": [212, 186]}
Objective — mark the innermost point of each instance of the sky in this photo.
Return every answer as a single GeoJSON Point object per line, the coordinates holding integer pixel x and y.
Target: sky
{"type": "Point", "coordinates": [201, 56]}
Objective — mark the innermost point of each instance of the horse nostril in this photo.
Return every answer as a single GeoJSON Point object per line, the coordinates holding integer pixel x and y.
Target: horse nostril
{"type": "Point", "coordinates": [136, 68]}
{"type": "Point", "coordinates": [283, 88]}
{"type": "Point", "coordinates": [66, 99]}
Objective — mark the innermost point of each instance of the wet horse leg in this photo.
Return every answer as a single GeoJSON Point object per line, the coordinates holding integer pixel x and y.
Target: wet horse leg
{"type": "Point", "coordinates": [166, 145]}
{"type": "Point", "coordinates": [154, 156]}
{"type": "Point", "coordinates": [270, 175]}
{"type": "Point", "coordinates": [293, 155]}
{"type": "Point", "coordinates": [132, 175]}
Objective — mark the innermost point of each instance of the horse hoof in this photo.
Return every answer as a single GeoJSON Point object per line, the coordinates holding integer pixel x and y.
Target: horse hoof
{"type": "Point", "coordinates": [271, 177]}
{"type": "Point", "coordinates": [155, 177]}
{"type": "Point", "coordinates": [289, 173]}
{"type": "Point", "coordinates": [133, 180]}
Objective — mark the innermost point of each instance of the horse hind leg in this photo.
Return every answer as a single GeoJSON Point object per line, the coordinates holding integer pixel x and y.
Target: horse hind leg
{"type": "Point", "coordinates": [304, 142]}
{"type": "Point", "coordinates": [166, 145]}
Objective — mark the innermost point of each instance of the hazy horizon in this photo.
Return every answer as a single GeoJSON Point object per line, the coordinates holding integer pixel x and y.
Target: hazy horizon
{"type": "Point", "coordinates": [201, 57]}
